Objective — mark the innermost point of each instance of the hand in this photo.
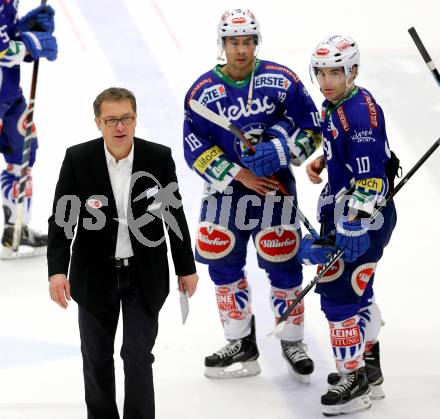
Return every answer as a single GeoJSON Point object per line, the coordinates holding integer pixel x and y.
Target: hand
{"type": "Point", "coordinates": [262, 185]}
{"type": "Point", "coordinates": [269, 157]}
{"type": "Point", "coordinates": [315, 252]}
{"type": "Point", "coordinates": [314, 169]}
{"type": "Point", "coordinates": [15, 54]}
{"type": "Point", "coordinates": [353, 238]}
{"type": "Point", "coordinates": [59, 289]}
{"type": "Point", "coordinates": [38, 19]}
{"type": "Point", "coordinates": [188, 283]}
{"type": "Point", "coordinates": [40, 45]}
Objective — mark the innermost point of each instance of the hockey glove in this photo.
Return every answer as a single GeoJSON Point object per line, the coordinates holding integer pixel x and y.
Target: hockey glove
{"type": "Point", "coordinates": [353, 238]}
{"type": "Point", "coordinates": [40, 19]}
{"type": "Point", "coordinates": [14, 55]}
{"type": "Point", "coordinates": [315, 252]}
{"type": "Point", "coordinates": [269, 157]}
{"type": "Point", "coordinates": [41, 44]}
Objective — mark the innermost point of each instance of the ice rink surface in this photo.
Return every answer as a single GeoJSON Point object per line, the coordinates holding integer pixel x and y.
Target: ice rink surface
{"type": "Point", "coordinates": [157, 49]}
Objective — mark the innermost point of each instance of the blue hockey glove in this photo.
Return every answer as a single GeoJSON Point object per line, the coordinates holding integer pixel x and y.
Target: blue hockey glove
{"type": "Point", "coordinates": [353, 238]}
{"type": "Point", "coordinates": [40, 44]}
{"type": "Point", "coordinates": [269, 157]}
{"type": "Point", "coordinates": [40, 19]}
{"type": "Point", "coordinates": [315, 252]}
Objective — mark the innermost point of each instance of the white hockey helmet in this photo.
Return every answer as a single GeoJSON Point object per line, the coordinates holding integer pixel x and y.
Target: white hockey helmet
{"type": "Point", "coordinates": [336, 51]}
{"type": "Point", "coordinates": [237, 22]}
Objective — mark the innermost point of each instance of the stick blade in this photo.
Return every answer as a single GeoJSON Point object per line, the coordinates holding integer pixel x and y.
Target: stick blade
{"type": "Point", "coordinates": [206, 113]}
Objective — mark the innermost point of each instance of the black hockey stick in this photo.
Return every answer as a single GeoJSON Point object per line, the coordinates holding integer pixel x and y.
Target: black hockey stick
{"type": "Point", "coordinates": [19, 205]}
{"type": "Point", "coordinates": [211, 116]}
{"type": "Point", "coordinates": [426, 57]}
{"type": "Point", "coordinates": [282, 320]}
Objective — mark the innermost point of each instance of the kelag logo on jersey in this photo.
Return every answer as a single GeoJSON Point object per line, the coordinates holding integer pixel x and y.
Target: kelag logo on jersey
{"type": "Point", "coordinates": [212, 94]}
{"type": "Point", "coordinates": [257, 106]}
{"type": "Point", "coordinates": [272, 80]}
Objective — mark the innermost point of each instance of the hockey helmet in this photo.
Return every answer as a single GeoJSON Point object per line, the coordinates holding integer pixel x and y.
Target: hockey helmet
{"type": "Point", "coordinates": [238, 22]}
{"type": "Point", "coordinates": [336, 51]}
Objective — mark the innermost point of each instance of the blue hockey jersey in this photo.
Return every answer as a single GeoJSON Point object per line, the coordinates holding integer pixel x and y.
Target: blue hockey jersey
{"type": "Point", "coordinates": [9, 77]}
{"type": "Point", "coordinates": [356, 152]}
{"type": "Point", "coordinates": [278, 94]}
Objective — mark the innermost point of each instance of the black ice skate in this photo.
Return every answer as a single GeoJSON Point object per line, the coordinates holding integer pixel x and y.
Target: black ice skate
{"type": "Point", "coordinates": [351, 394]}
{"type": "Point", "coordinates": [236, 359]}
{"type": "Point", "coordinates": [32, 243]}
{"type": "Point", "coordinates": [373, 372]}
{"type": "Point", "coordinates": [300, 364]}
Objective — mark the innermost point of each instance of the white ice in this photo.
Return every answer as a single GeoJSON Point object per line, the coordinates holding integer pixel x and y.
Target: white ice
{"type": "Point", "coordinates": [158, 48]}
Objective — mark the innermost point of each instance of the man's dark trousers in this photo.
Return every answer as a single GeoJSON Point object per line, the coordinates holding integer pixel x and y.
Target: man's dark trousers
{"type": "Point", "coordinates": [98, 329]}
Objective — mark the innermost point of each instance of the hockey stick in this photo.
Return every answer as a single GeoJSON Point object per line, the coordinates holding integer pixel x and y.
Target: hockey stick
{"type": "Point", "coordinates": [19, 205]}
{"type": "Point", "coordinates": [282, 320]}
{"type": "Point", "coordinates": [424, 53]}
{"type": "Point", "coordinates": [211, 116]}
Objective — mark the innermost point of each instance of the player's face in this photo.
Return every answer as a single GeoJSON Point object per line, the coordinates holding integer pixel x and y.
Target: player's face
{"type": "Point", "coordinates": [333, 83]}
{"type": "Point", "coordinates": [239, 51]}
{"type": "Point", "coordinates": [117, 124]}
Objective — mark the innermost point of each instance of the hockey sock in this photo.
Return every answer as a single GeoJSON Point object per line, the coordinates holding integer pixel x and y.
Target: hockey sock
{"type": "Point", "coordinates": [281, 299]}
{"type": "Point", "coordinates": [234, 305]}
{"type": "Point", "coordinates": [9, 181]}
{"type": "Point", "coordinates": [348, 343]}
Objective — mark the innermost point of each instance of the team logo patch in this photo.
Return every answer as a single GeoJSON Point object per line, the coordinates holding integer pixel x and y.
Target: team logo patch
{"type": "Point", "coordinates": [349, 322]}
{"type": "Point", "coordinates": [361, 276]}
{"type": "Point", "coordinates": [198, 86]}
{"type": "Point", "coordinates": [242, 285]}
{"type": "Point", "coordinates": [212, 94]}
{"type": "Point", "coordinates": [343, 119]}
{"type": "Point", "coordinates": [94, 203]}
{"type": "Point", "coordinates": [351, 365]}
{"type": "Point", "coordinates": [238, 20]}
{"type": "Point", "coordinates": [236, 315]}
{"type": "Point", "coordinates": [214, 241]}
{"type": "Point", "coordinates": [272, 80]}
{"type": "Point", "coordinates": [207, 158]}
{"type": "Point", "coordinates": [226, 302]}
{"type": "Point", "coordinates": [277, 244]}
{"type": "Point", "coordinates": [333, 273]}
{"type": "Point", "coordinates": [347, 336]}
{"type": "Point", "coordinates": [342, 45]}
{"type": "Point", "coordinates": [322, 52]}
{"type": "Point", "coordinates": [365, 136]}
{"type": "Point", "coordinates": [332, 128]}
{"type": "Point", "coordinates": [372, 111]}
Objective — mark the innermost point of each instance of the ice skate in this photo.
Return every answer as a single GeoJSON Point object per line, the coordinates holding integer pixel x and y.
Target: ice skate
{"type": "Point", "coordinates": [373, 373]}
{"type": "Point", "coordinates": [236, 359]}
{"type": "Point", "coordinates": [300, 363]}
{"type": "Point", "coordinates": [32, 243]}
{"type": "Point", "coordinates": [351, 394]}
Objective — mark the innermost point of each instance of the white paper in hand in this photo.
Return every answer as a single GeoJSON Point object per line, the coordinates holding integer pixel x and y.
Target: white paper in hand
{"type": "Point", "coordinates": [184, 305]}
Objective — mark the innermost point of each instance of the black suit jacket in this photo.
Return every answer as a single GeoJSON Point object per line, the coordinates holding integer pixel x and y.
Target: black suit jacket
{"type": "Point", "coordinates": [84, 174]}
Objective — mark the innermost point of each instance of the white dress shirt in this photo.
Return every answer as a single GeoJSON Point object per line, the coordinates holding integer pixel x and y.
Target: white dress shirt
{"type": "Point", "coordinates": [120, 174]}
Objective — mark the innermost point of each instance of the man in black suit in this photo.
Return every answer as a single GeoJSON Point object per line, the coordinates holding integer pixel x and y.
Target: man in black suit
{"type": "Point", "coordinates": [117, 190]}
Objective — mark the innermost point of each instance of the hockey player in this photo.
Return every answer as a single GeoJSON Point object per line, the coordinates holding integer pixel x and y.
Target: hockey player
{"type": "Point", "coordinates": [361, 170]}
{"type": "Point", "coordinates": [25, 39]}
{"type": "Point", "coordinates": [270, 105]}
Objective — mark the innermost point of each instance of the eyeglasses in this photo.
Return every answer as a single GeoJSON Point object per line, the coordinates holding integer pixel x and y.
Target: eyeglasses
{"type": "Point", "coordinates": [112, 122]}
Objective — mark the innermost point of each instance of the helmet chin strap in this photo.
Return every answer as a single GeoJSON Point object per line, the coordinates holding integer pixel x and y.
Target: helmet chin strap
{"type": "Point", "coordinates": [349, 84]}
{"type": "Point", "coordinates": [251, 83]}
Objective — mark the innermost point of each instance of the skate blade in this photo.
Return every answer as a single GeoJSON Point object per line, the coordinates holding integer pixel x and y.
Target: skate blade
{"type": "Point", "coordinates": [356, 405]}
{"type": "Point", "coordinates": [23, 252]}
{"type": "Point", "coordinates": [376, 392]}
{"type": "Point", "coordinates": [302, 378]}
{"type": "Point", "coordinates": [236, 370]}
